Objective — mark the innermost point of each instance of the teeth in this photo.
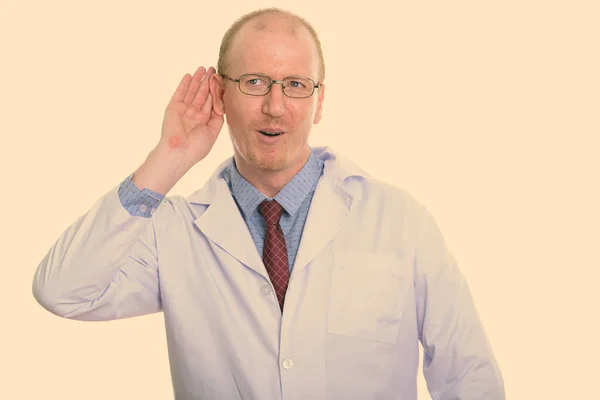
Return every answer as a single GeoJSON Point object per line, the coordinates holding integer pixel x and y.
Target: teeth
{"type": "Point", "coordinates": [271, 133]}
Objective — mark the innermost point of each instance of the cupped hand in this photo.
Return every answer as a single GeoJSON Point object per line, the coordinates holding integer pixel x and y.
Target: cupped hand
{"type": "Point", "coordinates": [191, 125]}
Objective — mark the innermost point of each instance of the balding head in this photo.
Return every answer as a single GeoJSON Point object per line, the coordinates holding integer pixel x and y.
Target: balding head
{"type": "Point", "coordinates": [267, 20]}
{"type": "Point", "coordinates": [269, 132]}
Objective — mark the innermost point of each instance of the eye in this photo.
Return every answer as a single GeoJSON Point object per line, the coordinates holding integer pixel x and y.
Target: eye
{"type": "Point", "coordinates": [297, 84]}
{"type": "Point", "coordinates": [255, 81]}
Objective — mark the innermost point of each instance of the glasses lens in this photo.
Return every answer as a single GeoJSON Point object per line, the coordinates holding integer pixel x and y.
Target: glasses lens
{"type": "Point", "coordinates": [298, 87]}
{"type": "Point", "coordinates": [256, 85]}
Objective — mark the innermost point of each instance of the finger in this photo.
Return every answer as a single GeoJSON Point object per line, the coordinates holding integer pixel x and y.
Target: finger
{"type": "Point", "coordinates": [203, 112]}
{"type": "Point", "coordinates": [202, 92]}
{"type": "Point", "coordinates": [194, 84]}
{"type": "Point", "coordinates": [207, 106]}
{"type": "Point", "coordinates": [193, 87]}
{"type": "Point", "coordinates": [181, 88]}
{"type": "Point", "coordinates": [200, 98]}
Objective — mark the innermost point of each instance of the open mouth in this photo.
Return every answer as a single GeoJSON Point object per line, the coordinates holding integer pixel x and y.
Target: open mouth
{"type": "Point", "coordinates": [271, 134]}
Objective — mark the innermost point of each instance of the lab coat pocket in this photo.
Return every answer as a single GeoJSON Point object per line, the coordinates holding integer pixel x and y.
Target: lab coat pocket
{"type": "Point", "coordinates": [366, 296]}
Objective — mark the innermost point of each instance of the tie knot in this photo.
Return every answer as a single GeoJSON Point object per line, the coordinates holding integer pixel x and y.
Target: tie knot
{"type": "Point", "coordinates": [271, 211]}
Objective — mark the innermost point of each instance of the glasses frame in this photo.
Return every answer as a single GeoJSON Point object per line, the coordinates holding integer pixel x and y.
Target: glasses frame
{"type": "Point", "coordinates": [315, 85]}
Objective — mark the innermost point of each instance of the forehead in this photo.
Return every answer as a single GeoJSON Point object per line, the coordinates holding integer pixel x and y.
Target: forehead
{"type": "Point", "coordinates": [275, 46]}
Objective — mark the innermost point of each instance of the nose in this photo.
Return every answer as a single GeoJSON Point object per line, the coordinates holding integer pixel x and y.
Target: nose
{"type": "Point", "coordinates": [273, 104]}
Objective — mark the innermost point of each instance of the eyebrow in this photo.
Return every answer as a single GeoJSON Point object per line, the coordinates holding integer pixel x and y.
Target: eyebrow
{"type": "Point", "coordinates": [289, 76]}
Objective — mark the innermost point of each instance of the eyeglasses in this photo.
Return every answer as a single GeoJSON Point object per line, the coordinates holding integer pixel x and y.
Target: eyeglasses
{"type": "Point", "coordinates": [260, 85]}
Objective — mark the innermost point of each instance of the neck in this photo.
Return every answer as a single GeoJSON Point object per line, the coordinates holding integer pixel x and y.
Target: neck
{"type": "Point", "coordinates": [270, 182]}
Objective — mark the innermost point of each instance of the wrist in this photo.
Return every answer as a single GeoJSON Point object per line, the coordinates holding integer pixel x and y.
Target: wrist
{"type": "Point", "coordinates": [161, 170]}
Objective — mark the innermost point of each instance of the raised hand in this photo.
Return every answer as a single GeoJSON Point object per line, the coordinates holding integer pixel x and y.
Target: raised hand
{"type": "Point", "coordinates": [191, 125]}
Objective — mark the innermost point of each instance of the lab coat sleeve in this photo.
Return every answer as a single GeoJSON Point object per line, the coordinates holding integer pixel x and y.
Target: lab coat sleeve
{"type": "Point", "coordinates": [458, 360]}
{"type": "Point", "coordinates": [104, 266]}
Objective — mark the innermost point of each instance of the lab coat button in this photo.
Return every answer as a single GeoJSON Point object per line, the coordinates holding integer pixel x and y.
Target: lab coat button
{"type": "Point", "coordinates": [143, 208]}
{"type": "Point", "coordinates": [265, 289]}
{"type": "Point", "coordinates": [287, 363]}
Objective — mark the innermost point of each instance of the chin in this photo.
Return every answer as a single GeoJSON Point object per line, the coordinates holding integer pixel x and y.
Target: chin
{"type": "Point", "coordinates": [274, 162]}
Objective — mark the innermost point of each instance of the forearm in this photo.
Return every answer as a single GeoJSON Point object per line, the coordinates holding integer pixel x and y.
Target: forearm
{"type": "Point", "coordinates": [459, 362]}
{"type": "Point", "coordinates": [458, 359]}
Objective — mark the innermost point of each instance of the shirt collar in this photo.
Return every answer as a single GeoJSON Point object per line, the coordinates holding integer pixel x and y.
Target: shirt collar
{"type": "Point", "coordinates": [290, 197]}
{"type": "Point", "coordinates": [302, 184]}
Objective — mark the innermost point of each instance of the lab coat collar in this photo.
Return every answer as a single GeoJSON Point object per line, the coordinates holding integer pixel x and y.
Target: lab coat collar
{"type": "Point", "coordinates": [223, 223]}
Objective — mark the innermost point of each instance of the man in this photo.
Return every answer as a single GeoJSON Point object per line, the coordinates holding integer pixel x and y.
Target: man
{"type": "Point", "coordinates": [291, 274]}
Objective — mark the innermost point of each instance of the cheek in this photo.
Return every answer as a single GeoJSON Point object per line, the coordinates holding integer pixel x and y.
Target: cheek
{"type": "Point", "coordinates": [241, 113]}
{"type": "Point", "coordinates": [310, 109]}
{"type": "Point", "coordinates": [307, 114]}
{"type": "Point", "coordinates": [234, 114]}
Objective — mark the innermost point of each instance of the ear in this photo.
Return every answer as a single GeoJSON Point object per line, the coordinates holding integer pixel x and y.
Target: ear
{"type": "Point", "coordinates": [216, 91]}
{"type": "Point", "coordinates": [321, 90]}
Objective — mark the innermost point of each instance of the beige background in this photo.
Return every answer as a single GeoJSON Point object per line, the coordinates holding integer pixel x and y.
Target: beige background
{"type": "Point", "coordinates": [487, 112]}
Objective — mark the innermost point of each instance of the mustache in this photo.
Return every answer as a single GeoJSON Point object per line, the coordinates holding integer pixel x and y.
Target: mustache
{"type": "Point", "coordinates": [272, 123]}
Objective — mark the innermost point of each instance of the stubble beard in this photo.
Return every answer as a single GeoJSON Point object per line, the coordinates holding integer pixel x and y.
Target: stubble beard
{"type": "Point", "coordinates": [274, 161]}
{"type": "Point", "coordinates": [268, 162]}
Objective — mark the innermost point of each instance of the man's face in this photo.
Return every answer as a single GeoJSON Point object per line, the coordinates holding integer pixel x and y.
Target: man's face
{"type": "Point", "coordinates": [278, 54]}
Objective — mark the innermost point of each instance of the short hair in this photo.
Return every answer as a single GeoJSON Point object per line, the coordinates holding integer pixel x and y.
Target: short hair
{"type": "Point", "coordinates": [222, 63]}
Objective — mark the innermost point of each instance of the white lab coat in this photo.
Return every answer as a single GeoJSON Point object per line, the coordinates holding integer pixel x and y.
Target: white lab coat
{"type": "Point", "coordinates": [372, 277]}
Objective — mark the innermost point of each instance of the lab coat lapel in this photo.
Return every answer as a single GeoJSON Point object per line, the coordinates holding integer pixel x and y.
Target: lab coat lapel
{"type": "Point", "coordinates": [223, 224]}
{"type": "Point", "coordinates": [328, 212]}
